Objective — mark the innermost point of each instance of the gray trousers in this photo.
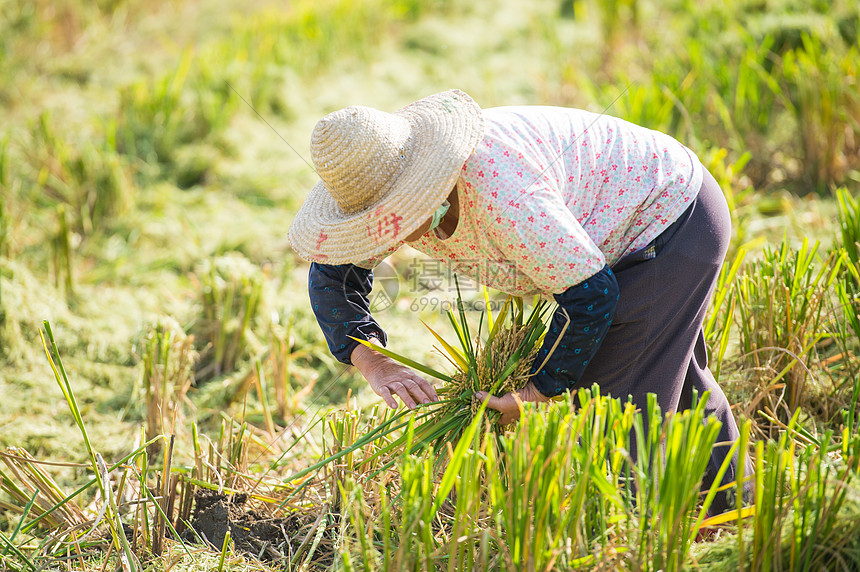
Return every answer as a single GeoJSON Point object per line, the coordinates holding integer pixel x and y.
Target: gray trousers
{"type": "Point", "coordinates": [656, 343]}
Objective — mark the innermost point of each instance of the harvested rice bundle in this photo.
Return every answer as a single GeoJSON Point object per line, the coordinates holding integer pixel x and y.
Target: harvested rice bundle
{"type": "Point", "coordinates": [498, 364]}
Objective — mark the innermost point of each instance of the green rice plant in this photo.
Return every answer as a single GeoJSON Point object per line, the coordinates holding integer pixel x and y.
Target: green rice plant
{"type": "Point", "coordinates": [558, 492]}
{"type": "Point", "coordinates": [421, 522]}
{"type": "Point", "coordinates": [5, 195]}
{"type": "Point", "coordinates": [282, 354]}
{"type": "Point", "coordinates": [718, 324]}
{"type": "Point", "coordinates": [561, 489]}
{"type": "Point", "coordinates": [25, 512]}
{"type": "Point", "coordinates": [819, 492]}
{"type": "Point", "coordinates": [848, 335]}
{"type": "Point", "coordinates": [849, 223]}
{"type": "Point", "coordinates": [230, 460]}
{"type": "Point", "coordinates": [649, 104]}
{"type": "Point", "coordinates": [848, 292]}
{"type": "Point", "coordinates": [556, 487]}
{"type": "Point", "coordinates": [415, 9]}
{"type": "Point", "coordinates": [157, 117]}
{"type": "Point", "coordinates": [273, 47]}
{"type": "Point", "coordinates": [780, 300]}
{"type": "Point", "coordinates": [357, 455]}
{"type": "Point", "coordinates": [89, 179]}
{"type": "Point", "coordinates": [498, 363]}
{"type": "Point", "coordinates": [167, 357]}
{"type": "Point", "coordinates": [806, 508]}
{"type": "Point", "coordinates": [120, 542]}
{"type": "Point", "coordinates": [745, 91]}
{"type": "Point", "coordinates": [263, 396]}
{"type": "Point", "coordinates": [467, 520]}
{"type": "Point", "coordinates": [826, 107]}
{"type": "Point", "coordinates": [62, 254]}
{"type": "Point", "coordinates": [231, 288]}
{"type": "Point", "coordinates": [736, 91]}
{"type": "Point", "coordinates": [377, 441]}
{"type": "Point", "coordinates": [36, 496]}
{"type": "Point", "coordinates": [667, 99]}
{"type": "Point", "coordinates": [47, 517]}
{"type": "Point", "coordinates": [165, 501]}
{"type": "Point", "coordinates": [269, 48]}
{"type": "Point", "coordinates": [232, 452]}
{"type": "Point", "coordinates": [672, 457]}
{"type": "Point", "coordinates": [312, 34]}
{"type": "Point", "coordinates": [153, 121]}
{"type": "Point", "coordinates": [224, 548]}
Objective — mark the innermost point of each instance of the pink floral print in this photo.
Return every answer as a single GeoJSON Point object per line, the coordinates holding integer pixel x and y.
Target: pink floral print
{"type": "Point", "coordinates": [552, 194]}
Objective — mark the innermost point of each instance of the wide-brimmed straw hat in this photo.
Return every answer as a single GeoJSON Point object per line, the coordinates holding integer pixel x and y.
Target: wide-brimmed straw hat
{"type": "Point", "coordinates": [382, 175]}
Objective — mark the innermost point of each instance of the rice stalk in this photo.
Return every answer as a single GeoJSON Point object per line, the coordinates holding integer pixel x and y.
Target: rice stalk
{"type": "Point", "coordinates": [718, 325]}
{"type": "Point", "coordinates": [231, 288]}
{"type": "Point", "coordinates": [849, 224]}
{"type": "Point", "coordinates": [780, 302]}
{"type": "Point", "coordinates": [28, 485]}
{"type": "Point", "coordinates": [62, 254]}
{"type": "Point", "coordinates": [282, 354]}
{"type": "Point", "coordinates": [24, 514]}
{"type": "Point", "coordinates": [167, 357]}
{"type": "Point", "coordinates": [555, 493]}
{"type": "Point", "coordinates": [17, 552]}
{"type": "Point", "coordinates": [100, 470]}
{"type": "Point", "coordinates": [224, 547]}
{"type": "Point", "coordinates": [5, 195]}
{"type": "Point", "coordinates": [155, 118]}
{"type": "Point", "coordinates": [851, 307]}
{"type": "Point", "coordinates": [64, 502]}
{"type": "Point", "coordinates": [806, 506]}
{"type": "Point", "coordinates": [264, 400]}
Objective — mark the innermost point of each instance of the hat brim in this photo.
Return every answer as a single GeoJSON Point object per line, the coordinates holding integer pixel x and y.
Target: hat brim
{"type": "Point", "coordinates": [445, 129]}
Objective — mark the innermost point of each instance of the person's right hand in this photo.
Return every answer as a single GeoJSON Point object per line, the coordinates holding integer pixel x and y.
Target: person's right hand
{"type": "Point", "coordinates": [389, 378]}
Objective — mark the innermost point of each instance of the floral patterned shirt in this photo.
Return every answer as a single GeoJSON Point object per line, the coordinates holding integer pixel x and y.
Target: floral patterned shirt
{"type": "Point", "coordinates": [551, 195]}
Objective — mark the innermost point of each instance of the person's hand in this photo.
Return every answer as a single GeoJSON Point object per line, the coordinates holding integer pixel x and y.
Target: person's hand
{"type": "Point", "coordinates": [389, 378]}
{"type": "Point", "coordinates": [510, 404]}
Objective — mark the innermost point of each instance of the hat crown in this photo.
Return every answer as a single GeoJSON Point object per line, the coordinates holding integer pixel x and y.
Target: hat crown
{"type": "Point", "coordinates": [358, 153]}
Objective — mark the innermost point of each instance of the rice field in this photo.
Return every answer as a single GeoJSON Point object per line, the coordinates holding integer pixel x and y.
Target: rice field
{"type": "Point", "coordinates": [167, 401]}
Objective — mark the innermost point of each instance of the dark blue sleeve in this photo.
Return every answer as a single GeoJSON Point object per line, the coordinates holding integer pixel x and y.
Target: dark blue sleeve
{"type": "Point", "coordinates": [339, 298]}
{"type": "Point", "coordinates": [590, 306]}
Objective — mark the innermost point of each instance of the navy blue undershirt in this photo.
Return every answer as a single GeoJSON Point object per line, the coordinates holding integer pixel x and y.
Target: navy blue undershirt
{"type": "Point", "coordinates": [339, 297]}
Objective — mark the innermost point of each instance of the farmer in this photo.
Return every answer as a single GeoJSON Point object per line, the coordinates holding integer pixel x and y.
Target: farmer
{"type": "Point", "coordinates": [620, 224]}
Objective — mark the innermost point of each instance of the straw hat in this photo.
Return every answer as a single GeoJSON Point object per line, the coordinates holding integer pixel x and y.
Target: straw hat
{"type": "Point", "coordinates": [383, 175]}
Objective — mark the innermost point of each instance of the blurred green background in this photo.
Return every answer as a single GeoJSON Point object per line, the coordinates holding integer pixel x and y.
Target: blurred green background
{"type": "Point", "coordinates": [153, 154]}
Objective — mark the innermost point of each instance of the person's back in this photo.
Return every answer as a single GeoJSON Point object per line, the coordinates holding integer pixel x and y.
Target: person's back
{"type": "Point", "coordinates": [624, 183]}
{"type": "Point", "coordinates": [551, 195]}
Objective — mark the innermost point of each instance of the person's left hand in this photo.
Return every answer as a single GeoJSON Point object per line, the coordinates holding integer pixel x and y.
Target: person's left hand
{"type": "Point", "coordinates": [509, 404]}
